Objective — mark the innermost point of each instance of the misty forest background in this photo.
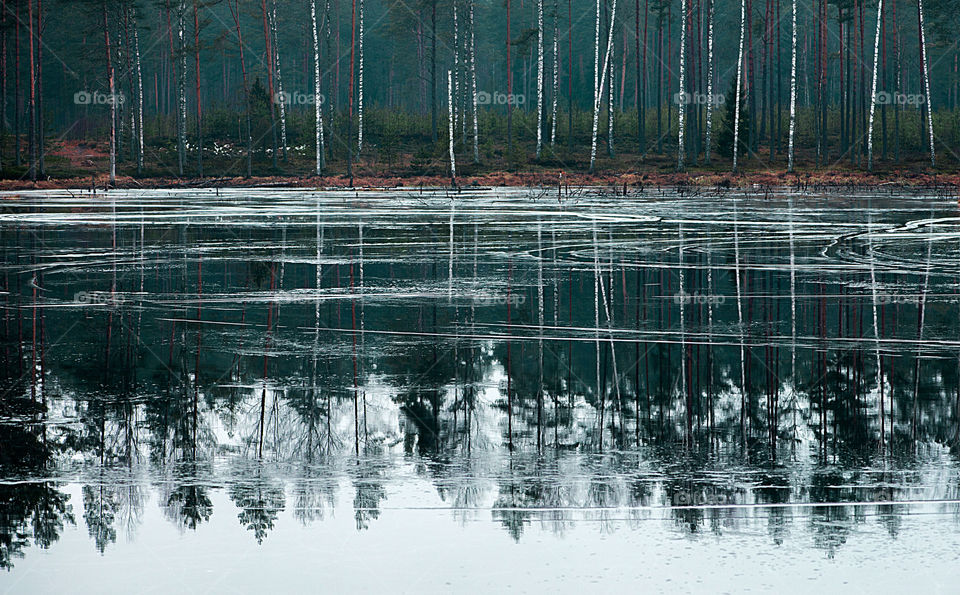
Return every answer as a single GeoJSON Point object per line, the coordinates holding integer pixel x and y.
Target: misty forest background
{"type": "Point", "coordinates": [227, 87]}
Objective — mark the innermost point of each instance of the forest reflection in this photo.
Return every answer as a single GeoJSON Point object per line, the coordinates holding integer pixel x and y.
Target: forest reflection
{"type": "Point", "coordinates": [723, 361]}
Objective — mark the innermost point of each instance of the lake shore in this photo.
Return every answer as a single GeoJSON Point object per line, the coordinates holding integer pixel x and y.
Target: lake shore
{"type": "Point", "coordinates": [805, 180]}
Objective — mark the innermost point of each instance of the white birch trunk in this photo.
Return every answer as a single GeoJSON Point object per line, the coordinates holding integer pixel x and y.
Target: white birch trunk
{"type": "Point", "coordinates": [181, 90]}
{"type": "Point", "coordinates": [873, 100]}
{"type": "Point", "coordinates": [453, 158]}
{"type": "Point", "coordinates": [710, 106]}
{"type": "Point", "coordinates": [736, 117]}
{"type": "Point", "coordinates": [360, 87]}
{"type": "Point", "coordinates": [556, 72]}
{"type": "Point", "coordinates": [136, 49]}
{"type": "Point", "coordinates": [456, 67]}
{"type": "Point", "coordinates": [793, 88]}
{"type": "Point", "coordinates": [600, 80]}
{"type": "Point", "coordinates": [317, 103]}
{"type": "Point", "coordinates": [276, 63]}
{"type": "Point", "coordinates": [610, 96]}
{"type": "Point", "coordinates": [926, 82]}
{"type": "Point", "coordinates": [539, 78]}
{"type": "Point", "coordinates": [473, 88]}
{"type": "Point", "coordinates": [681, 108]}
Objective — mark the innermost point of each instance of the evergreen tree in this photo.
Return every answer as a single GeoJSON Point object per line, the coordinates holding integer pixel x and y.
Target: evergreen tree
{"type": "Point", "coordinates": [725, 138]}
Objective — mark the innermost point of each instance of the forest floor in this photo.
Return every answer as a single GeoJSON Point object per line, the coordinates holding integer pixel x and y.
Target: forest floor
{"type": "Point", "coordinates": [81, 165]}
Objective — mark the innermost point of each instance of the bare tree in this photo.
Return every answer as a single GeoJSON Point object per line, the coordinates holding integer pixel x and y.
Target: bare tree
{"type": "Point", "coordinates": [873, 100]}
{"type": "Point", "coordinates": [736, 118]}
{"type": "Point", "coordinates": [360, 86]}
{"type": "Point", "coordinates": [136, 53]}
{"type": "Point", "coordinates": [793, 88]}
{"type": "Point", "coordinates": [113, 103]}
{"type": "Point", "coordinates": [539, 78]}
{"type": "Point", "coordinates": [473, 87]}
{"type": "Point", "coordinates": [600, 78]}
{"type": "Point", "coordinates": [317, 103]}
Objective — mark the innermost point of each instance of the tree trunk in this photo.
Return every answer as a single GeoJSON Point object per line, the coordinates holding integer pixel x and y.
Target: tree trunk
{"type": "Point", "coordinates": [32, 94]}
{"type": "Point", "coordinates": [353, 45]}
{"type": "Point", "coordinates": [136, 51]}
{"type": "Point", "coordinates": [600, 79]}
{"type": "Point", "coordinates": [453, 158]}
{"type": "Point", "coordinates": [196, 55]}
{"type": "Point", "coordinates": [710, 106]}
{"type": "Point", "coordinates": [873, 92]}
{"type": "Point", "coordinates": [793, 87]}
{"type": "Point", "coordinates": [317, 103]}
{"type": "Point", "coordinates": [272, 97]}
{"type": "Point", "coordinates": [473, 88]}
{"type": "Point", "coordinates": [41, 150]}
{"type": "Point", "coordinates": [539, 78]}
{"type": "Point", "coordinates": [181, 88]}
{"type": "Point", "coordinates": [736, 118]}
{"type": "Point", "coordinates": [509, 82]}
{"type": "Point", "coordinates": [681, 107]}
{"type": "Point", "coordinates": [279, 76]}
{"type": "Point", "coordinates": [113, 104]}
{"type": "Point", "coordinates": [556, 73]}
{"type": "Point", "coordinates": [433, 65]}
{"type": "Point", "coordinates": [235, 12]}
{"type": "Point", "coordinates": [360, 88]}
{"type": "Point", "coordinates": [926, 81]}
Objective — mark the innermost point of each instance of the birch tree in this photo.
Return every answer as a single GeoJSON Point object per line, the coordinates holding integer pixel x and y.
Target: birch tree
{"type": "Point", "coordinates": [710, 106]}
{"type": "Point", "coordinates": [736, 118]}
{"type": "Point", "coordinates": [556, 73]}
{"type": "Point", "coordinates": [136, 52]}
{"type": "Point", "coordinates": [181, 88]}
{"type": "Point", "coordinates": [681, 108]}
{"type": "Point", "coordinates": [279, 75]}
{"type": "Point", "coordinates": [456, 66]}
{"type": "Point", "coordinates": [317, 102]}
{"type": "Point", "coordinates": [473, 88]}
{"type": "Point", "coordinates": [196, 55]}
{"type": "Point", "coordinates": [926, 81]}
{"type": "Point", "coordinates": [600, 79]}
{"type": "Point", "coordinates": [539, 78]}
{"type": "Point", "coordinates": [453, 157]}
{"type": "Point", "coordinates": [873, 95]}
{"type": "Point", "coordinates": [793, 87]}
{"type": "Point", "coordinates": [360, 84]}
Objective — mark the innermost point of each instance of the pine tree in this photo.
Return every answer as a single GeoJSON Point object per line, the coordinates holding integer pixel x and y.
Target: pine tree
{"type": "Point", "coordinates": [725, 138]}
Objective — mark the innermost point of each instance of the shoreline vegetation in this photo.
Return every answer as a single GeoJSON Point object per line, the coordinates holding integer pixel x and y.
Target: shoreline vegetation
{"type": "Point", "coordinates": [617, 182]}
{"type": "Point", "coordinates": [84, 166]}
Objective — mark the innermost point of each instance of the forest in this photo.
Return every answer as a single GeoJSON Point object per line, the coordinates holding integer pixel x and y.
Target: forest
{"type": "Point", "coordinates": [199, 89]}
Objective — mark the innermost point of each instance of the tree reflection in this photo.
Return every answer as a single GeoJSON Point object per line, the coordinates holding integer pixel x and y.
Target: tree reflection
{"type": "Point", "coordinates": [260, 500]}
{"type": "Point", "coordinates": [31, 512]}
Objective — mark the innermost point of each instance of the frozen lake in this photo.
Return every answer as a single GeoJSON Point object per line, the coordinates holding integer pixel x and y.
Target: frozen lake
{"type": "Point", "coordinates": [425, 391]}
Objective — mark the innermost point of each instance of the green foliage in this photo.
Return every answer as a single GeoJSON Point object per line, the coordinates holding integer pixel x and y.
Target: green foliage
{"type": "Point", "coordinates": [725, 138]}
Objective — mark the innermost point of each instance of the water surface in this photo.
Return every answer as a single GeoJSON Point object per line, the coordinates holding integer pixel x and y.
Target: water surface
{"type": "Point", "coordinates": [498, 389]}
